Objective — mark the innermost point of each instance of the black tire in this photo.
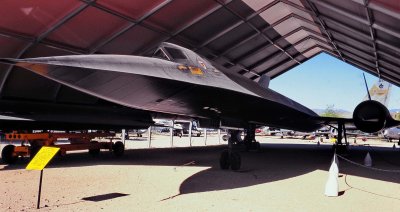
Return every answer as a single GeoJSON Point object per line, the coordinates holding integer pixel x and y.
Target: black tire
{"type": "Point", "coordinates": [257, 146]}
{"type": "Point", "coordinates": [118, 149]}
{"type": "Point", "coordinates": [224, 162]}
{"type": "Point", "coordinates": [7, 154]}
{"type": "Point", "coordinates": [94, 152]}
{"type": "Point", "coordinates": [235, 161]}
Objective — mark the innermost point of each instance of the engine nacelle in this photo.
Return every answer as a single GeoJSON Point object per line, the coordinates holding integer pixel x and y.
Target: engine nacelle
{"type": "Point", "coordinates": [371, 116]}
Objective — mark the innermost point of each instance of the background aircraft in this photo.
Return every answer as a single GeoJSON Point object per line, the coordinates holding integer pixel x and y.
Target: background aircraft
{"type": "Point", "coordinates": [392, 133]}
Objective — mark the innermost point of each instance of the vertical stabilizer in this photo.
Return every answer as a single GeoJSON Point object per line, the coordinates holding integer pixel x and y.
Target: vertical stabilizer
{"type": "Point", "coordinates": [380, 92]}
{"type": "Point", "coordinates": [264, 81]}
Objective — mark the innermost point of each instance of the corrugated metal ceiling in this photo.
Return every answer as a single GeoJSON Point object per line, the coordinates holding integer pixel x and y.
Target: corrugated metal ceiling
{"type": "Point", "coordinates": [251, 37]}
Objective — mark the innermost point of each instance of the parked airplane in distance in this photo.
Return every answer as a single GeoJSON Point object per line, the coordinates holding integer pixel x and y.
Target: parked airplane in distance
{"type": "Point", "coordinates": [392, 133]}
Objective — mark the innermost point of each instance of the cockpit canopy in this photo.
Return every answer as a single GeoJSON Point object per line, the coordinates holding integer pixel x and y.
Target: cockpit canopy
{"type": "Point", "coordinates": [169, 53]}
{"type": "Point", "coordinates": [178, 54]}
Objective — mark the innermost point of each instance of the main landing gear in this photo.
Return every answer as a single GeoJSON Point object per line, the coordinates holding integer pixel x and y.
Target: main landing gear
{"type": "Point", "coordinates": [340, 147]}
{"type": "Point", "coordinates": [230, 158]}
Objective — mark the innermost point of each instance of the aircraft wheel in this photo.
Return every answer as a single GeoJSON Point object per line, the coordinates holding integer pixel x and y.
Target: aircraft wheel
{"type": "Point", "coordinates": [224, 160]}
{"type": "Point", "coordinates": [257, 146]}
{"type": "Point", "coordinates": [118, 149]}
{"type": "Point", "coordinates": [235, 161]}
{"type": "Point", "coordinates": [94, 152]}
{"type": "Point", "coordinates": [7, 154]}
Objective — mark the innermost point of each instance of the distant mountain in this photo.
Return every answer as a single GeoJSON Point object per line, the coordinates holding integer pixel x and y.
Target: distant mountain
{"type": "Point", "coordinates": [394, 110]}
{"type": "Point", "coordinates": [348, 114]}
{"type": "Point", "coordinates": [340, 112]}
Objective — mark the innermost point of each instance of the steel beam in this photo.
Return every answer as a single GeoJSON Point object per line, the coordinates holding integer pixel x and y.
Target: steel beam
{"type": "Point", "coordinates": [372, 34]}
{"type": "Point", "coordinates": [237, 24]}
{"type": "Point", "coordinates": [379, 8]}
{"type": "Point", "coordinates": [271, 57]}
{"type": "Point", "coordinates": [358, 58]}
{"type": "Point", "coordinates": [285, 61]}
{"type": "Point", "coordinates": [324, 27]}
{"type": "Point", "coordinates": [264, 47]}
{"type": "Point", "coordinates": [41, 37]}
{"type": "Point", "coordinates": [275, 73]}
{"type": "Point", "coordinates": [356, 18]}
{"type": "Point", "coordinates": [255, 28]}
{"type": "Point", "coordinates": [129, 26]}
{"type": "Point", "coordinates": [371, 69]}
{"type": "Point", "coordinates": [392, 57]}
{"type": "Point", "coordinates": [339, 11]}
{"type": "Point", "coordinates": [219, 34]}
{"type": "Point", "coordinates": [358, 33]}
{"type": "Point", "coordinates": [176, 33]}
{"type": "Point", "coordinates": [50, 44]}
{"type": "Point", "coordinates": [353, 48]}
{"type": "Point", "coordinates": [261, 31]}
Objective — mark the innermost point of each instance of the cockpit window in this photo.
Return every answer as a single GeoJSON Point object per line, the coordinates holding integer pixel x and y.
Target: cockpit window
{"type": "Point", "coordinates": [175, 53]}
{"type": "Point", "coordinates": [160, 54]}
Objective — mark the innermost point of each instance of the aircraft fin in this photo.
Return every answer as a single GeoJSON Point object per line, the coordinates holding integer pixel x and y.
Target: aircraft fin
{"type": "Point", "coordinates": [380, 92]}
{"type": "Point", "coordinates": [264, 81]}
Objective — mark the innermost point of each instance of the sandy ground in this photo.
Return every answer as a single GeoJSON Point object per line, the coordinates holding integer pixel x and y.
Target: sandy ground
{"type": "Point", "coordinates": [287, 175]}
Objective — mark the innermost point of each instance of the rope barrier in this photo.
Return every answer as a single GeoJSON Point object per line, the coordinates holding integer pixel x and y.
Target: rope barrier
{"type": "Point", "coordinates": [372, 168]}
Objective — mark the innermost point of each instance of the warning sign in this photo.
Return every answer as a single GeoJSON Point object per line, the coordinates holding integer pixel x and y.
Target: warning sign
{"type": "Point", "coordinates": [42, 158]}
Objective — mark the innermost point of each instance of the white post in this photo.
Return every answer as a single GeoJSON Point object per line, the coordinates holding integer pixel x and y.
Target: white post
{"type": "Point", "coordinates": [205, 137]}
{"type": "Point", "coordinates": [149, 136]}
{"type": "Point", "coordinates": [171, 133]}
{"type": "Point", "coordinates": [190, 132]}
{"type": "Point", "coordinates": [123, 133]}
{"type": "Point", "coordinates": [219, 136]}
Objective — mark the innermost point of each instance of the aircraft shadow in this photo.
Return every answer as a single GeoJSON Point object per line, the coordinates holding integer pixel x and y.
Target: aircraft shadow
{"type": "Point", "coordinates": [275, 162]}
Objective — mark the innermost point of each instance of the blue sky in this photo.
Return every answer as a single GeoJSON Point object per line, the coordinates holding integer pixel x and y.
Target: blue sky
{"type": "Point", "coordinates": [325, 80]}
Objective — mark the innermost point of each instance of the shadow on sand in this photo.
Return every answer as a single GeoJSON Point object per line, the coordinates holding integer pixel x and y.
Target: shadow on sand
{"type": "Point", "coordinates": [275, 162]}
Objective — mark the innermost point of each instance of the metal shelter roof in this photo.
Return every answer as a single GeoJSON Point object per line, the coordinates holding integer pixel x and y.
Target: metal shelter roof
{"type": "Point", "coordinates": [251, 37]}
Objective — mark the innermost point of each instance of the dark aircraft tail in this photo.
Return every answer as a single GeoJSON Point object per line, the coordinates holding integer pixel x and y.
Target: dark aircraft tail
{"type": "Point", "coordinates": [264, 81]}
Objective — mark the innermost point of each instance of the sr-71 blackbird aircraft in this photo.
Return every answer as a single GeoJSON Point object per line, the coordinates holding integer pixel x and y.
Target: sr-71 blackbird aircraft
{"type": "Point", "coordinates": [178, 82]}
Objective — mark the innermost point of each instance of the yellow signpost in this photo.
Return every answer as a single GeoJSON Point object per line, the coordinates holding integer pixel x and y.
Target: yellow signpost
{"type": "Point", "coordinates": [41, 159]}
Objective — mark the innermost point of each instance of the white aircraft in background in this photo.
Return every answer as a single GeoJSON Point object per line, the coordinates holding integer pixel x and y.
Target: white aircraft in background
{"type": "Point", "coordinates": [380, 92]}
{"type": "Point", "coordinates": [392, 133]}
{"type": "Point", "coordinates": [138, 132]}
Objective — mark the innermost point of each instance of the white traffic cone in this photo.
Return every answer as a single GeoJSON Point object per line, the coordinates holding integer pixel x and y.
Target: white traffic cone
{"type": "Point", "coordinates": [336, 160]}
{"type": "Point", "coordinates": [334, 169]}
{"type": "Point", "coordinates": [332, 185]}
{"type": "Point", "coordinates": [368, 160]}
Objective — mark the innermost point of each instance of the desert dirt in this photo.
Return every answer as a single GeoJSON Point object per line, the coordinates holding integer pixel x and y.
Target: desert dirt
{"type": "Point", "coordinates": [287, 175]}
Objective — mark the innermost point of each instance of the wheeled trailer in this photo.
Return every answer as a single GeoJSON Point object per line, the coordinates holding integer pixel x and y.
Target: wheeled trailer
{"type": "Point", "coordinates": [32, 142]}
